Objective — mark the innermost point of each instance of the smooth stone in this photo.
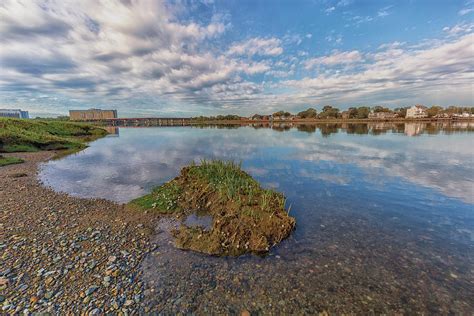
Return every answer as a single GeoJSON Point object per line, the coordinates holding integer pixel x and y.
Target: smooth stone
{"type": "Point", "coordinates": [91, 290]}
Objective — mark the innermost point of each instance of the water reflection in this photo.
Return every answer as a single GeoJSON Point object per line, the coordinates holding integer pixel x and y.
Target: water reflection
{"type": "Point", "coordinates": [384, 221]}
{"type": "Point", "coordinates": [124, 168]}
{"type": "Point", "coordinates": [374, 128]}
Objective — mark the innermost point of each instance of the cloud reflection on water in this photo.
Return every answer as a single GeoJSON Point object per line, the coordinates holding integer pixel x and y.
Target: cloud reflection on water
{"type": "Point", "coordinates": [122, 168]}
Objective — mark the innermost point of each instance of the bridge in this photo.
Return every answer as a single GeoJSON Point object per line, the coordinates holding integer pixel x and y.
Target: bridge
{"type": "Point", "coordinates": [143, 121]}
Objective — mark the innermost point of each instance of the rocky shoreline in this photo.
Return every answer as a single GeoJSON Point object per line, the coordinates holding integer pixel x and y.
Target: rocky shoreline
{"type": "Point", "coordinates": [67, 255]}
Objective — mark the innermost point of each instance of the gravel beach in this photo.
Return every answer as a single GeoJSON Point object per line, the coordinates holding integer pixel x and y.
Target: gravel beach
{"type": "Point", "coordinates": [67, 255]}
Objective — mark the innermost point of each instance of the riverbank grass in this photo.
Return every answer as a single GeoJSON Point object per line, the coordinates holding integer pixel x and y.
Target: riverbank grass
{"type": "Point", "coordinates": [5, 161]}
{"type": "Point", "coordinates": [17, 135]}
{"type": "Point", "coordinates": [246, 217]}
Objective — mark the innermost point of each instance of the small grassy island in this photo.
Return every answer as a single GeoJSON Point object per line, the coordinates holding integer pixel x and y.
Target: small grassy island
{"type": "Point", "coordinates": [18, 135]}
{"type": "Point", "coordinates": [245, 217]}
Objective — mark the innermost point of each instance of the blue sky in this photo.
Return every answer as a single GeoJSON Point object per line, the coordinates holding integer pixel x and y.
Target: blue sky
{"type": "Point", "coordinates": [185, 58]}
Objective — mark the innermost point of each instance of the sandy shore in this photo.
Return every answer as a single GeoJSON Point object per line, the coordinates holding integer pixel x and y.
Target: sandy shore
{"type": "Point", "coordinates": [67, 255]}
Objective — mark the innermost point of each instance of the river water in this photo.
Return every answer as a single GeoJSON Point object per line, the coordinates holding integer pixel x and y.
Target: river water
{"type": "Point", "coordinates": [385, 215]}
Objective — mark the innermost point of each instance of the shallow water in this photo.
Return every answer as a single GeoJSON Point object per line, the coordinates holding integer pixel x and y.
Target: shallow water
{"type": "Point", "coordinates": [385, 216]}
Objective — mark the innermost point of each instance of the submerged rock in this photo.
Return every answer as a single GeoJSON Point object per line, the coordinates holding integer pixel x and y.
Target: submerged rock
{"type": "Point", "coordinates": [245, 217]}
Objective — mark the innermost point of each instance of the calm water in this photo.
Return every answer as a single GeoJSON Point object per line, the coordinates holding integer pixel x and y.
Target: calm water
{"type": "Point", "coordinates": [385, 216]}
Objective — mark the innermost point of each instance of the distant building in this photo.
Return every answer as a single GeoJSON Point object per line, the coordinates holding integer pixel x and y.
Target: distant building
{"type": "Point", "coordinates": [417, 111]}
{"type": "Point", "coordinates": [15, 113]}
{"type": "Point", "coordinates": [345, 115]}
{"type": "Point", "coordinates": [463, 115]}
{"type": "Point", "coordinates": [91, 114]}
{"type": "Point", "coordinates": [382, 115]}
{"type": "Point", "coordinates": [442, 116]}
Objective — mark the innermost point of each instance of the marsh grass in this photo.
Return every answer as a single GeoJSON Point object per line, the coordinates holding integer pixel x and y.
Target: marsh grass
{"type": "Point", "coordinates": [228, 178]}
{"type": "Point", "coordinates": [32, 135]}
{"type": "Point", "coordinates": [163, 199]}
{"type": "Point", "coordinates": [5, 161]}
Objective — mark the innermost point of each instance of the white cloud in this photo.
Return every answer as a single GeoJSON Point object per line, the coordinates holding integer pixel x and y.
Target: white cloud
{"type": "Point", "coordinates": [330, 10]}
{"type": "Point", "coordinates": [337, 39]}
{"type": "Point", "coordinates": [458, 29]}
{"type": "Point", "coordinates": [258, 46]}
{"type": "Point", "coordinates": [384, 11]}
{"type": "Point", "coordinates": [393, 73]}
{"type": "Point", "coordinates": [465, 11]}
{"type": "Point", "coordinates": [119, 49]}
{"type": "Point", "coordinates": [337, 58]}
{"type": "Point", "coordinates": [103, 52]}
{"type": "Point", "coordinates": [344, 3]}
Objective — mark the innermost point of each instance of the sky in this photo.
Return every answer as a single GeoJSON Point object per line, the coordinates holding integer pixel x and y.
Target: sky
{"type": "Point", "coordinates": [207, 57]}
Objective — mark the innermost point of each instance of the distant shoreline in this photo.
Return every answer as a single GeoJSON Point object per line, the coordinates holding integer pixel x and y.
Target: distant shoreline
{"type": "Point", "coordinates": [191, 121]}
{"type": "Point", "coordinates": [338, 120]}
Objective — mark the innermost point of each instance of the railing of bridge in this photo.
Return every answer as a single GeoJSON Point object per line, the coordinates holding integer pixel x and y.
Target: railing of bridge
{"type": "Point", "coordinates": [143, 121]}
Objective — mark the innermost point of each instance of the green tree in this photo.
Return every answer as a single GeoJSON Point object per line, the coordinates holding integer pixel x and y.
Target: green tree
{"type": "Point", "coordinates": [363, 112]}
{"type": "Point", "coordinates": [309, 113]}
{"type": "Point", "coordinates": [352, 112]}
{"type": "Point", "coordinates": [278, 114]}
{"type": "Point", "coordinates": [329, 112]}
{"type": "Point", "coordinates": [379, 108]}
{"type": "Point", "coordinates": [432, 111]}
{"type": "Point", "coordinates": [402, 112]}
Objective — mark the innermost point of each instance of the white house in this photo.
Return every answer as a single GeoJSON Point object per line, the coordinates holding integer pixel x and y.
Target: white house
{"type": "Point", "coordinates": [417, 111]}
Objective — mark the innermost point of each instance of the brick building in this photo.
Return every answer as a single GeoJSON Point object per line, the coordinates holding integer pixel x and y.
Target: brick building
{"type": "Point", "coordinates": [91, 114]}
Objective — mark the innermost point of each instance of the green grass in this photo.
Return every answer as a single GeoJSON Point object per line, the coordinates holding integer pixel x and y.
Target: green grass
{"type": "Point", "coordinates": [226, 177]}
{"type": "Point", "coordinates": [5, 161]}
{"type": "Point", "coordinates": [33, 135]}
{"type": "Point", "coordinates": [164, 198]}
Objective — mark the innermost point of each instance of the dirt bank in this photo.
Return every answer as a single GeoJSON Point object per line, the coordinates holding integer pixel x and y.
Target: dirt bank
{"type": "Point", "coordinates": [64, 254]}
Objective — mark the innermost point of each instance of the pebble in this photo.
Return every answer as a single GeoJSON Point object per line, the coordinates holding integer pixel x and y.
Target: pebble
{"type": "Point", "coordinates": [128, 303]}
{"type": "Point", "coordinates": [245, 313]}
{"type": "Point", "coordinates": [91, 290]}
{"type": "Point", "coordinates": [3, 282]}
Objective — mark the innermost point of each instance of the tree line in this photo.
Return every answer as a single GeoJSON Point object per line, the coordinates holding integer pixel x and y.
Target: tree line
{"type": "Point", "coordinates": [329, 112]}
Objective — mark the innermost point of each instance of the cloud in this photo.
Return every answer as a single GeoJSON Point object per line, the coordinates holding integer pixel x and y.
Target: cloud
{"type": "Point", "coordinates": [458, 29]}
{"type": "Point", "coordinates": [149, 56]}
{"type": "Point", "coordinates": [337, 39]}
{"type": "Point", "coordinates": [344, 3]}
{"type": "Point", "coordinates": [384, 11]}
{"type": "Point", "coordinates": [335, 59]}
{"type": "Point", "coordinates": [392, 72]}
{"type": "Point", "coordinates": [362, 19]}
{"type": "Point", "coordinates": [330, 10]}
{"type": "Point", "coordinates": [465, 11]}
{"type": "Point", "coordinates": [119, 49]}
{"type": "Point", "coordinates": [258, 46]}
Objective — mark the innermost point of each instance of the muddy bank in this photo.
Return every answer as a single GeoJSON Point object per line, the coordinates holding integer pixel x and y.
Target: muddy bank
{"type": "Point", "coordinates": [62, 254]}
